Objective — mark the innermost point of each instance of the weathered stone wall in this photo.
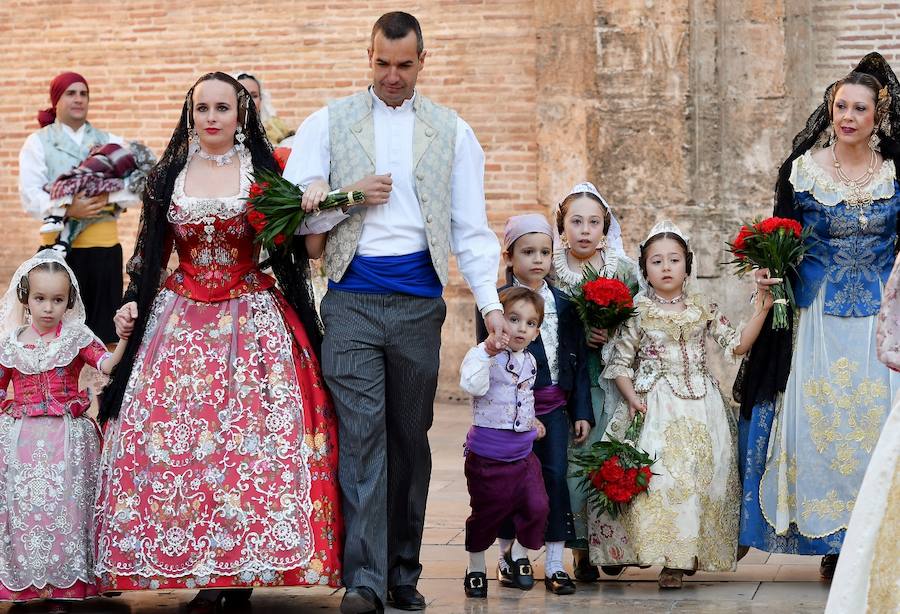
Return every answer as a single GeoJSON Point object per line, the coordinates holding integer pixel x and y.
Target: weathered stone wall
{"type": "Point", "coordinates": [674, 108]}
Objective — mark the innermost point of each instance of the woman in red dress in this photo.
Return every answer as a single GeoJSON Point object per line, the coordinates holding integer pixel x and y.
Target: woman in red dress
{"type": "Point", "coordinates": [220, 457]}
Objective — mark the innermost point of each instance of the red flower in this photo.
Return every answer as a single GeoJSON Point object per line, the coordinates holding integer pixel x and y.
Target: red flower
{"type": "Point", "coordinates": [256, 219]}
{"type": "Point", "coordinates": [773, 224]}
{"type": "Point", "coordinates": [279, 239]}
{"type": "Point", "coordinates": [618, 493]}
{"type": "Point", "coordinates": [611, 470]}
{"type": "Point", "coordinates": [605, 292]}
{"type": "Point", "coordinates": [258, 189]}
{"type": "Point", "coordinates": [597, 480]}
{"type": "Point", "coordinates": [740, 241]}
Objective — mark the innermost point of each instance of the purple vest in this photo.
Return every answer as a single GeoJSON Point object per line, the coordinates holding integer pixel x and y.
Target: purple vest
{"type": "Point", "coordinates": [509, 401]}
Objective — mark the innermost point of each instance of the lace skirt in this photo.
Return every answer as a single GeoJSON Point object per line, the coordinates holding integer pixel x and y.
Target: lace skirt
{"type": "Point", "coordinates": [221, 468]}
{"type": "Point", "coordinates": [803, 459]}
{"type": "Point", "coordinates": [689, 515]}
{"type": "Point", "coordinates": [48, 476]}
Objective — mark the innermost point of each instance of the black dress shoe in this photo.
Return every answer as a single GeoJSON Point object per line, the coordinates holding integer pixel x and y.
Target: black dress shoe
{"type": "Point", "coordinates": [236, 598]}
{"type": "Point", "coordinates": [827, 566]}
{"type": "Point", "coordinates": [584, 571]}
{"type": "Point", "coordinates": [612, 570]}
{"type": "Point", "coordinates": [475, 585]}
{"type": "Point", "coordinates": [361, 600]}
{"type": "Point", "coordinates": [516, 574]}
{"type": "Point", "coordinates": [560, 583]}
{"type": "Point", "coordinates": [406, 597]}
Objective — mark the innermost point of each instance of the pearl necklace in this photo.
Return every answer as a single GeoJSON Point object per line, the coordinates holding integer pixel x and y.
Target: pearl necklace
{"type": "Point", "coordinates": [219, 159]}
{"type": "Point", "coordinates": [857, 196]}
{"type": "Point", "coordinates": [666, 301]}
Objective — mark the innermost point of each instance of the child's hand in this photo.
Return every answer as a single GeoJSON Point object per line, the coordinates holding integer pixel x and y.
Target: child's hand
{"type": "Point", "coordinates": [125, 318]}
{"type": "Point", "coordinates": [492, 347]}
{"type": "Point", "coordinates": [582, 430]}
{"type": "Point", "coordinates": [539, 427]}
{"type": "Point", "coordinates": [636, 405]}
{"type": "Point", "coordinates": [764, 298]}
{"type": "Point", "coordinates": [598, 337]}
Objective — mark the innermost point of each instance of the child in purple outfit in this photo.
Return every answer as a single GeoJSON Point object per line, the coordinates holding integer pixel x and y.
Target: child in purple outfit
{"type": "Point", "coordinates": [502, 473]}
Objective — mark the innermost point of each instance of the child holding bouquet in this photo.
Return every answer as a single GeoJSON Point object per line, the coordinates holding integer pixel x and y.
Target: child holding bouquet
{"type": "Point", "coordinates": [561, 395]}
{"type": "Point", "coordinates": [688, 518]}
{"type": "Point", "coordinates": [49, 447]}
{"type": "Point", "coordinates": [503, 475]}
{"type": "Point", "coordinates": [590, 237]}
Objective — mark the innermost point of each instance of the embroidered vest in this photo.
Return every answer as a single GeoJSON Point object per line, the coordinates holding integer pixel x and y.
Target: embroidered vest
{"type": "Point", "coordinates": [352, 135]}
{"type": "Point", "coordinates": [509, 402]}
{"type": "Point", "coordinates": [61, 153]}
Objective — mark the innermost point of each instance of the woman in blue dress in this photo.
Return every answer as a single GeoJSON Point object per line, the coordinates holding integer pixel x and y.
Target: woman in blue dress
{"type": "Point", "coordinates": [815, 398]}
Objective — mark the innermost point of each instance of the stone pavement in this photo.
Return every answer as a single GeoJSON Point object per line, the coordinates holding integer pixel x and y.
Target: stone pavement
{"type": "Point", "coordinates": [763, 583]}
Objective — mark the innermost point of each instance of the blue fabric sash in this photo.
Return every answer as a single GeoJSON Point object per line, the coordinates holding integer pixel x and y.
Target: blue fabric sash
{"type": "Point", "coordinates": [411, 274]}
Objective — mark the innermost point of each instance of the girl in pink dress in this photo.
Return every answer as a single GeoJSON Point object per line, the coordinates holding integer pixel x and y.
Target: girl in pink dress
{"type": "Point", "coordinates": [49, 447]}
{"type": "Point", "coordinates": [219, 467]}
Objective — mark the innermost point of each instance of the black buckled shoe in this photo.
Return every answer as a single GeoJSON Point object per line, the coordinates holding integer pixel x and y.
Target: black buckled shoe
{"type": "Point", "coordinates": [475, 585]}
{"type": "Point", "coordinates": [515, 574]}
{"type": "Point", "coordinates": [406, 597]}
{"type": "Point", "coordinates": [560, 583]}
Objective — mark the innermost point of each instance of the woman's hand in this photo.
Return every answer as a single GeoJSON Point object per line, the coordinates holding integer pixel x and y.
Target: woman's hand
{"type": "Point", "coordinates": [635, 405]}
{"type": "Point", "coordinates": [764, 299]}
{"type": "Point", "coordinates": [124, 319]}
{"type": "Point", "coordinates": [582, 430]}
{"type": "Point", "coordinates": [597, 337]}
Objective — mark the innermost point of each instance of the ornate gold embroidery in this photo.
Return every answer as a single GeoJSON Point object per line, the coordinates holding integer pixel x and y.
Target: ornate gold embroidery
{"type": "Point", "coordinates": [688, 458]}
{"type": "Point", "coordinates": [864, 405]}
{"type": "Point", "coordinates": [884, 581]}
{"type": "Point", "coordinates": [786, 498]}
{"type": "Point", "coordinates": [831, 506]}
{"type": "Point", "coordinates": [844, 462]}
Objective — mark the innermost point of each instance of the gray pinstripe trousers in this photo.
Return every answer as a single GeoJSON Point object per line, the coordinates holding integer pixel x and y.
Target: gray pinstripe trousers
{"type": "Point", "coordinates": [380, 359]}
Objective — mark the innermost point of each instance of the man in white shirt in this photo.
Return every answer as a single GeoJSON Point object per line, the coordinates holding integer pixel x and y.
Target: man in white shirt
{"type": "Point", "coordinates": [63, 142]}
{"type": "Point", "coordinates": [422, 171]}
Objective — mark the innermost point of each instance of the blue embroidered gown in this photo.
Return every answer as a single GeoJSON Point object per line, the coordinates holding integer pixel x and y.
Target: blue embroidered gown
{"type": "Point", "coordinates": [803, 457]}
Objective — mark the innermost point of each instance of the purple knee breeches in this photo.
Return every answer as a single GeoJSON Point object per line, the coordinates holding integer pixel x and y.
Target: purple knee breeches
{"type": "Point", "coordinates": [501, 490]}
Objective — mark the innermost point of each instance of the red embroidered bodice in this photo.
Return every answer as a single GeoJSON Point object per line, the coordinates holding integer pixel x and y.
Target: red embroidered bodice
{"type": "Point", "coordinates": [53, 392]}
{"type": "Point", "coordinates": [216, 252]}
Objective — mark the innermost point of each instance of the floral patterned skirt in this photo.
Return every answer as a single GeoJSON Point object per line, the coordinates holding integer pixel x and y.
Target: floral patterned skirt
{"type": "Point", "coordinates": [221, 468]}
{"type": "Point", "coordinates": [689, 516]}
{"type": "Point", "coordinates": [48, 475]}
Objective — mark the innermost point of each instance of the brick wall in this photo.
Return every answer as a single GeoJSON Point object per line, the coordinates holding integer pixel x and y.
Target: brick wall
{"type": "Point", "coordinates": [643, 97]}
{"type": "Point", "coordinates": [140, 57]}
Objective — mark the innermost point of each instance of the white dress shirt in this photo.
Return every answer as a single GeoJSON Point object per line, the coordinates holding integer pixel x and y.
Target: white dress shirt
{"type": "Point", "coordinates": [475, 371]}
{"type": "Point", "coordinates": [33, 177]}
{"type": "Point", "coordinates": [396, 228]}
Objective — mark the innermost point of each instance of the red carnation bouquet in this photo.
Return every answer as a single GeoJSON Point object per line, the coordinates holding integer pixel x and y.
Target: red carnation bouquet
{"type": "Point", "coordinates": [614, 472]}
{"type": "Point", "coordinates": [274, 211]}
{"type": "Point", "coordinates": [777, 244]}
{"type": "Point", "coordinates": [602, 302]}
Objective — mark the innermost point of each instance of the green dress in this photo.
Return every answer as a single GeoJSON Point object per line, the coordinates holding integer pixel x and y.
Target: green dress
{"type": "Point", "coordinates": [624, 268]}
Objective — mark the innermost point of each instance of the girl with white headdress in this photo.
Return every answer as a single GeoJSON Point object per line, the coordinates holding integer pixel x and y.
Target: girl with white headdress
{"type": "Point", "coordinates": [49, 447]}
{"type": "Point", "coordinates": [688, 518]}
{"type": "Point", "coordinates": [589, 235]}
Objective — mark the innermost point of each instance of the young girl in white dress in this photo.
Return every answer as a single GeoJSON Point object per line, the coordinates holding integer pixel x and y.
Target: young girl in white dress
{"type": "Point", "coordinates": [688, 519]}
